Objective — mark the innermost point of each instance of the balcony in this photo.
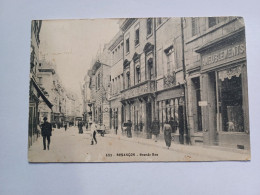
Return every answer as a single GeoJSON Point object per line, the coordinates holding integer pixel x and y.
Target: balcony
{"type": "Point", "coordinates": [140, 89]}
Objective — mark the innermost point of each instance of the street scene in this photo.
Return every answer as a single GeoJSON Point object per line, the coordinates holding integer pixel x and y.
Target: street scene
{"type": "Point", "coordinates": [138, 89]}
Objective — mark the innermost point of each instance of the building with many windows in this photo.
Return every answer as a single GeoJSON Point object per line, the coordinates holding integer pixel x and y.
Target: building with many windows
{"type": "Point", "coordinates": [116, 47]}
{"type": "Point", "coordinates": [139, 73]}
{"type": "Point", "coordinates": [188, 70]}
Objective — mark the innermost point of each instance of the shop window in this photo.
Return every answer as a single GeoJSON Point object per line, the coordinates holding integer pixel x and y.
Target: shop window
{"type": "Point", "coordinates": [194, 26]}
{"type": "Point", "coordinates": [137, 37]}
{"type": "Point", "coordinates": [149, 24]}
{"type": "Point", "coordinates": [231, 116]}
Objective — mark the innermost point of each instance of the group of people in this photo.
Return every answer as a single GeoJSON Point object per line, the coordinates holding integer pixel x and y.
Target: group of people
{"type": "Point", "coordinates": [46, 132]}
{"type": "Point", "coordinates": [168, 128]}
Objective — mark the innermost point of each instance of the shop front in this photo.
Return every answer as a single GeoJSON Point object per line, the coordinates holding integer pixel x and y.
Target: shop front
{"type": "Point", "coordinates": [170, 107]}
{"type": "Point", "coordinates": [138, 106]}
{"type": "Point", "coordinates": [224, 96]}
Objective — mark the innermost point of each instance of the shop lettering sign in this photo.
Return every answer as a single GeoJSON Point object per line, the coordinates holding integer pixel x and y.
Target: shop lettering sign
{"type": "Point", "coordinates": [227, 53]}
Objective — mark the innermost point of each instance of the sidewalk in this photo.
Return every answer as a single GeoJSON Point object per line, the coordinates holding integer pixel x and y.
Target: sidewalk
{"type": "Point", "coordinates": [217, 152]}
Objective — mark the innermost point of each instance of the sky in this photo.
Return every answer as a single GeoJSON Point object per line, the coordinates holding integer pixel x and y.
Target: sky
{"type": "Point", "coordinates": [72, 44]}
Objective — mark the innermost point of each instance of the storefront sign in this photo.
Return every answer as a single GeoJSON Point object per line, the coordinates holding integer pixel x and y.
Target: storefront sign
{"type": "Point", "coordinates": [223, 54]}
{"type": "Point", "coordinates": [203, 103]}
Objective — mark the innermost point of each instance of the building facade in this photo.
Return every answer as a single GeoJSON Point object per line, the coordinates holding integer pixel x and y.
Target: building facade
{"type": "Point", "coordinates": [170, 90]}
{"type": "Point", "coordinates": [36, 95]}
{"type": "Point", "coordinates": [215, 57]}
{"type": "Point", "coordinates": [116, 82]}
{"type": "Point", "coordinates": [99, 83]}
{"type": "Point", "coordinates": [139, 74]}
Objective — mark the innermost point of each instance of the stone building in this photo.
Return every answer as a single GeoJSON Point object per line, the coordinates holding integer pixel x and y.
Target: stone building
{"type": "Point", "coordinates": [153, 73]}
{"type": "Point", "coordinates": [99, 83]}
{"type": "Point", "coordinates": [170, 88]}
{"type": "Point", "coordinates": [116, 82]}
{"type": "Point", "coordinates": [139, 72]}
{"type": "Point", "coordinates": [36, 95]}
{"type": "Point", "coordinates": [215, 57]}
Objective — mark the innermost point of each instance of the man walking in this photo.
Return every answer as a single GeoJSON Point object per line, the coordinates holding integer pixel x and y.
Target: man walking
{"type": "Point", "coordinates": [46, 133]}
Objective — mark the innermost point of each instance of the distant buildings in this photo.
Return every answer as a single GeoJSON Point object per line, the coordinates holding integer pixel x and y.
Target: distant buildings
{"type": "Point", "coordinates": [191, 70]}
{"type": "Point", "coordinates": [48, 97]}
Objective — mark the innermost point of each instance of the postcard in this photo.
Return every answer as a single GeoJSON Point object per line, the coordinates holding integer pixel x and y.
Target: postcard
{"type": "Point", "coordinates": [138, 90]}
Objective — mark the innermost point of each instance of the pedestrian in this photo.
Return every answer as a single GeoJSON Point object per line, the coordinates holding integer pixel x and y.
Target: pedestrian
{"type": "Point", "coordinates": [155, 128]}
{"type": "Point", "coordinates": [94, 132]}
{"type": "Point", "coordinates": [102, 130]}
{"type": "Point", "coordinates": [80, 127]}
{"type": "Point", "coordinates": [65, 126]}
{"type": "Point", "coordinates": [46, 133]}
{"type": "Point", "coordinates": [167, 134]}
{"type": "Point", "coordinates": [173, 124]}
{"type": "Point", "coordinates": [128, 129]}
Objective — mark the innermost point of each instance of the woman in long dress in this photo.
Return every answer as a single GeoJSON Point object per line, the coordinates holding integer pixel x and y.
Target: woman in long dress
{"type": "Point", "coordinates": [167, 134]}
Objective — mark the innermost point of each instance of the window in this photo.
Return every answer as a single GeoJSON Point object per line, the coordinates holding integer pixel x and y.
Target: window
{"type": "Point", "coordinates": [212, 21]}
{"type": "Point", "coordinates": [194, 24]}
{"type": "Point", "coordinates": [127, 79]}
{"type": "Point", "coordinates": [150, 69]}
{"type": "Point", "coordinates": [230, 100]}
{"type": "Point", "coordinates": [196, 108]}
{"type": "Point", "coordinates": [138, 74]}
{"type": "Point", "coordinates": [40, 80]}
{"type": "Point", "coordinates": [136, 36]}
{"type": "Point", "coordinates": [159, 21]}
{"type": "Point", "coordinates": [171, 66]}
{"type": "Point", "coordinates": [127, 45]}
{"type": "Point", "coordinates": [149, 24]}
{"type": "Point", "coordinates": [112, 87]}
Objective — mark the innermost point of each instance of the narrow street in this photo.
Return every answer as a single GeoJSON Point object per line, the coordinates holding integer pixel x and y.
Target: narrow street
{"type": "Point", "coordinates": [70, 146]}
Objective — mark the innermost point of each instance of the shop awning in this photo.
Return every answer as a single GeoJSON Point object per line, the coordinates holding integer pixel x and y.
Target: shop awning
{"type": "Point", "coordinates": [45, 99]}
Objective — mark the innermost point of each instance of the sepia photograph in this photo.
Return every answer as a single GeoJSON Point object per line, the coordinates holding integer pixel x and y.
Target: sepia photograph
{"type": "Point", "coordinates": [138, 90]}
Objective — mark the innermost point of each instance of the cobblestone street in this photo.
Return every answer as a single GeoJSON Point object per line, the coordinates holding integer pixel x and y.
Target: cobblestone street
{"type": "Point", "coordinates": [70, 146]}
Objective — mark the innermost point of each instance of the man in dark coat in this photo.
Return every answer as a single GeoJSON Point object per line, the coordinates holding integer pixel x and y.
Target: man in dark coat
{"type": "Point", "coordinates": [46, 133]}
{"type": "Point", "coordinates": [173, 124]}
{"type": "Point", "coordinates": [155, 128]}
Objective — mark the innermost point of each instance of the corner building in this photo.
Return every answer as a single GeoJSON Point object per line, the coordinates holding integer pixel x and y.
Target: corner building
{"type": "Point", "coordinates": [215, 57]}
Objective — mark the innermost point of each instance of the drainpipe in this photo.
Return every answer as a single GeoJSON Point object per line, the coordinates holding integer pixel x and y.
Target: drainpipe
{"type": "Point", "coordinates": [155, 72]}
{"type": "Point", "coordinates": [186, 121]}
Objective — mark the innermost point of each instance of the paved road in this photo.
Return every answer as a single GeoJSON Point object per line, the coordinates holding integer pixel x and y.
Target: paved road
{"type": "Point", "coordinates": [69, 146]}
